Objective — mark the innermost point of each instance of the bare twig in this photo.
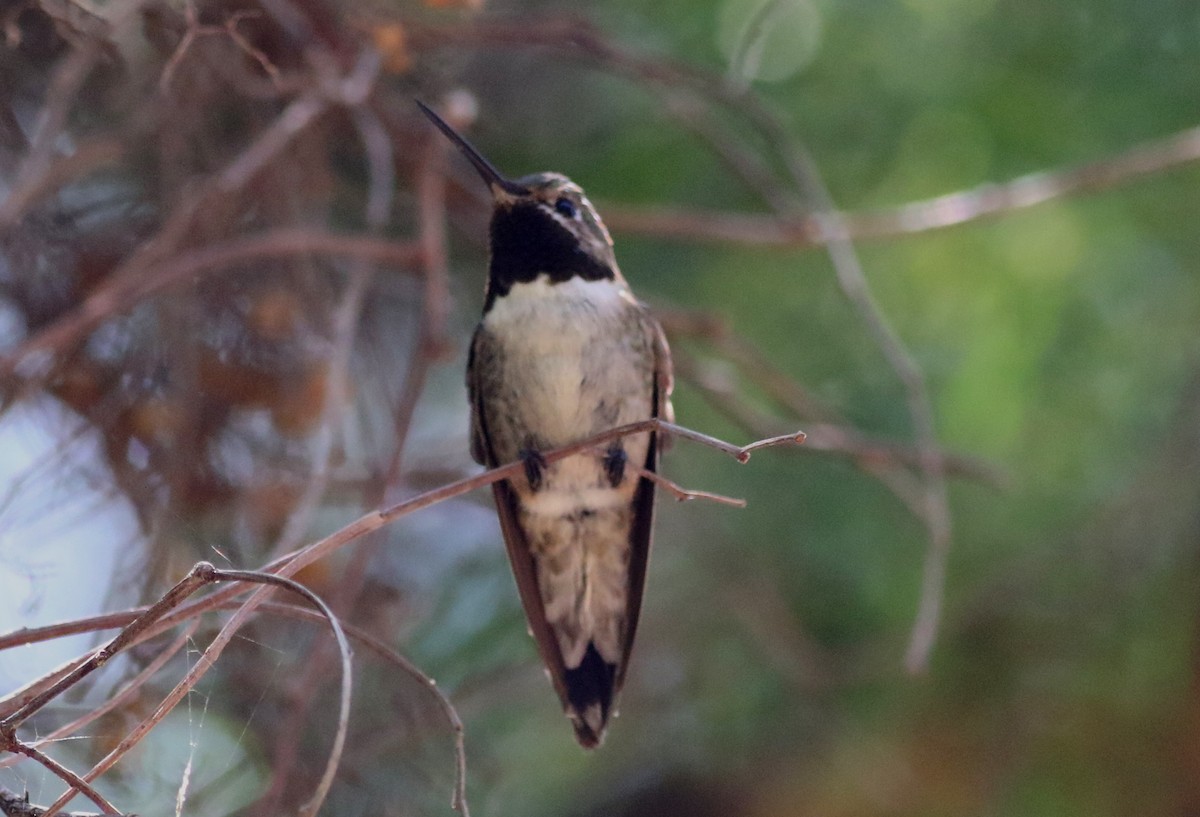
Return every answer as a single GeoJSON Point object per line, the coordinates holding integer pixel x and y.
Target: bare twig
{"type": "Point", "coordinates": [876, 456]}
{"type": "Point", "coordinates": [680, 493]}
{"type": "Point", "coordinates": [196, 30]}
{"type": "Point", "coordinates": [389, 655]}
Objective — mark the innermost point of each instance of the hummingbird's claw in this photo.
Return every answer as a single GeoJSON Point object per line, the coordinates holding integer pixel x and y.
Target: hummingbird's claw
{"type": "Point", "coordinates": [614, 464]}
{"type": "Point", "coordinates": [535, 466]}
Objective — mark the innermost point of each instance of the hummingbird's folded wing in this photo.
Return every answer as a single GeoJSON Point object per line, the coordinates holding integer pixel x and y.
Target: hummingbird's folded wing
{"type": "Point", "coordinates": [643, 501]}
{"type": "Point", "coordinates": [520, 554]}
{"type": "Point", "coordinates": [480, 447]}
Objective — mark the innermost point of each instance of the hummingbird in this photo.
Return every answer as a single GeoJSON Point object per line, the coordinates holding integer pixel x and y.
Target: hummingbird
{"type": "Point", "coordinates": [564, 351]}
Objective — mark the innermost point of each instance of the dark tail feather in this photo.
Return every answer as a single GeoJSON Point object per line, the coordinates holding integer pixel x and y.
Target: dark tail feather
{"type": "Point", "coordinates": [590, 692]}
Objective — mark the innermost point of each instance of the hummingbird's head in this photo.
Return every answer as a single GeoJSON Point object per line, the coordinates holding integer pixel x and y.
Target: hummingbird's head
{"type": "Point", "coordinates": [541, 225]}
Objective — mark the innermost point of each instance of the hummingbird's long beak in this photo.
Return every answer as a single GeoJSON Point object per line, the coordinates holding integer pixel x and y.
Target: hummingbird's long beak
{"type": "Point", "coordinates": [500, 186]}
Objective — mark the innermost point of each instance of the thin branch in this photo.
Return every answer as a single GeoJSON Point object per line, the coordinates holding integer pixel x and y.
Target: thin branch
{"type": "Point", "coordinates": [934, 508]}
{"type": "Point", "coordinates": [989, 200]}
{"type": "Point", "coordinates": [876, 456]}
{"type": "Point", "coordinates": [195, 30]}
{"type": "Point", "coordinates": [386, 653]}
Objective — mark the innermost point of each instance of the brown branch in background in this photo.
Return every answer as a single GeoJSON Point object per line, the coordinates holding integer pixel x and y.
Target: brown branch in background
{"type": "Point", "coordinates": [195, 29]}
{"type": "Point", "coordinates": [119, 294]}
{"type": "Point", "coordinates": [134, 278]}
{"type": "Point", "coordinates": [380, 187]}
{"type": "Point", "coordinates": [989, 200]}
{"type": "Point", "coordinates": [933, 508]}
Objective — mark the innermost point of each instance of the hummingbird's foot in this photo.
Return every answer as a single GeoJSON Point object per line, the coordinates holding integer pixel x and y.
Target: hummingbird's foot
{"type": "Point", "coordinates": [534, 464]}
{"type": "Point", "coordinates": [614, 464]}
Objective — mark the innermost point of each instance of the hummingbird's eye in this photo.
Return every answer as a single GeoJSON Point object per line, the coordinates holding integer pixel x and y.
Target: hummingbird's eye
{"type": "Point", "coordinates": [566, 207]}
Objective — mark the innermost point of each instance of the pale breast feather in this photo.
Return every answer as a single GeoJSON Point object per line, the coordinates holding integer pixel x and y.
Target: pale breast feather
{"type": "Point", "coordinates": [555, 339]}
